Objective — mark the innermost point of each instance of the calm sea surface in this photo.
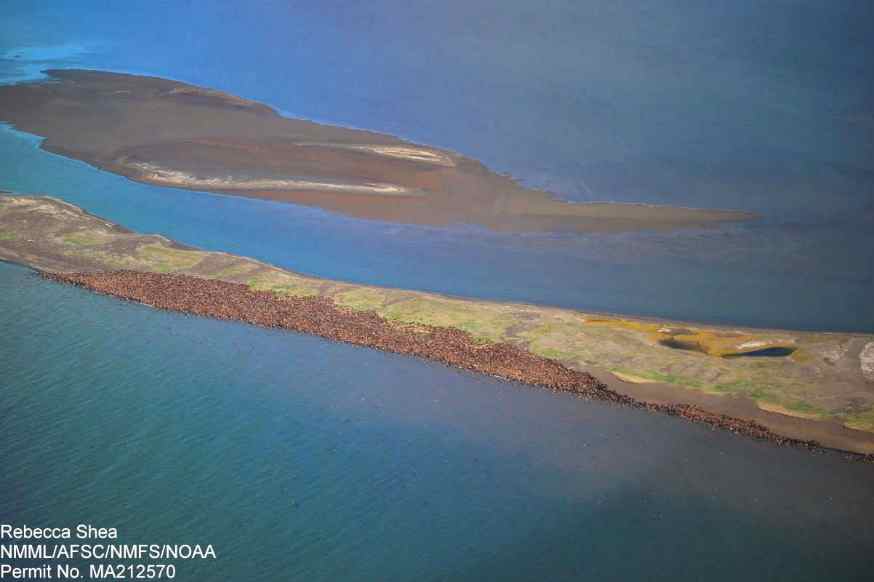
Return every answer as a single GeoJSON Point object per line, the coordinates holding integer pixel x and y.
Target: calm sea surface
{"type": "Point", "coordinates": [302, 459]}
{"type": "Point", "coordinates": [758, 106]}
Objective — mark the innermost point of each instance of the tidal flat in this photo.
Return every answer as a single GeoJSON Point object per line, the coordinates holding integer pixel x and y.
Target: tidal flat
{"type": "Point", "coordinates": [802, 386]}
{"type": "Point", "coordinates": [178, 135]}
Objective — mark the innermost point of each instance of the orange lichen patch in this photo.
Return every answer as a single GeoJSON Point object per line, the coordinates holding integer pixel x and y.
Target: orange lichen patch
{"type": "Point", "coordinates": [712, 342]}
{"type": "Point", "coordinates": [725, 345]}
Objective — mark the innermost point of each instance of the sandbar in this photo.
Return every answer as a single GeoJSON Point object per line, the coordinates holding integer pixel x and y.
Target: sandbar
{"type": "Point", "coordinates": [790, 387]}
{"type": "Point", "coordinates": [177, 135]}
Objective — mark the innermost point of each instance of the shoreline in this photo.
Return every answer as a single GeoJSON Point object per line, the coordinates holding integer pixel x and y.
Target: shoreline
{"type": "Point", "coordinates": [214, 141]}
{"type": "Point", "coordinates": [451, 347]}
{"type": "Point", "coordinates": [800, 386]}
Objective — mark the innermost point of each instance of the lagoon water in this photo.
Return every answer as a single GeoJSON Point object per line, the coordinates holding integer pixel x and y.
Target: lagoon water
{"type": "Point", "coordinates": [687, 104]}
{"type": "Point", "coordinates": [301, 459]}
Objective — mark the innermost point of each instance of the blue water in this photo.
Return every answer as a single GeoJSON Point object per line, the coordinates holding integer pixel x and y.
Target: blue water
{"type": "Point", "coordinates": [724, 106]}
{"type": "Point", "coordinates": [302, 459]}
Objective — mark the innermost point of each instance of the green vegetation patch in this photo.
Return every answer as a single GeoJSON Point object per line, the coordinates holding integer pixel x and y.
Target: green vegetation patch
{"type": "Point", "coordinates": [163, 259]}
{"type": "Point", "coordinates": [293, 290]}
{"type": "Point", "coordinates": [282, 283]}
{"type": "Point", "coordinates": [107, 260]}
{"type": "Point", "coordinates": [362, 299]}
{"type": "Point", "coordinates": [805, 408]}
{"type": "Point", "coordinates": [482, 322]}
{"type": "Point", "coordinates": [557, 340]}
{"type": "Point", "coordinates": [235, 270]}
{"type": "Point", "coordinates": [154, 258]}
{"type": "Point", "coordinates": [861, 421]}
{"type": "Point", "coordinates": [796, 408]}
{"type": "Point", "coordinates": [748, 388]}
{"type": "Point", "coordinates": [86, 238]}
{"type": "Point", "coordinates": [6, 235]}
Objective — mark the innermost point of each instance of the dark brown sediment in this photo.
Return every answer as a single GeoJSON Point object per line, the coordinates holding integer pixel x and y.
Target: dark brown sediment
{"type": "Point", "coordinates": [172, 134]}
{"type": "Point", "coordinates": [453, 347]}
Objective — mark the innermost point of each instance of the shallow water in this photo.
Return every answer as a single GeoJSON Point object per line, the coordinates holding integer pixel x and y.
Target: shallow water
{"type": "Point", "coordinates": [724, 107]}
{"type": "Point", "coordinates": [303, 459]}
{"type": "Point", "coordinates": [689, 276]}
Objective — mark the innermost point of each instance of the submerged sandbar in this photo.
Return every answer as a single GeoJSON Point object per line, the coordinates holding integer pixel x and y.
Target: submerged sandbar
{"type": "Point", "coordinates": [173, 134]}
{"type": "Point", "coordinates": [785, 386]}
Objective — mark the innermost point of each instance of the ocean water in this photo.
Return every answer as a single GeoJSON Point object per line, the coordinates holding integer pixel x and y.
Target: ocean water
{"type": "Point", "coordinates": [301, 459]}
{"type": "Point", "coordinates": [727, 106]}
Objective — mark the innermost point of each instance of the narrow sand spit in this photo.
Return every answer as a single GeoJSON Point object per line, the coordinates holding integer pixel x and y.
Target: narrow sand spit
{"type": "Point", "coordinates": [784, 386]}
{"type": "Point", "coordinates": [320, 316]}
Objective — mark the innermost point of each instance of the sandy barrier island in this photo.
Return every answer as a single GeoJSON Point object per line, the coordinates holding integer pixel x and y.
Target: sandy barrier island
{"type": "Point", "coordinates": [178, 135]}
{"type": "Point", "coordinates": [320, 316]}
{"type": "Point", "coordinates": [800, 388]}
